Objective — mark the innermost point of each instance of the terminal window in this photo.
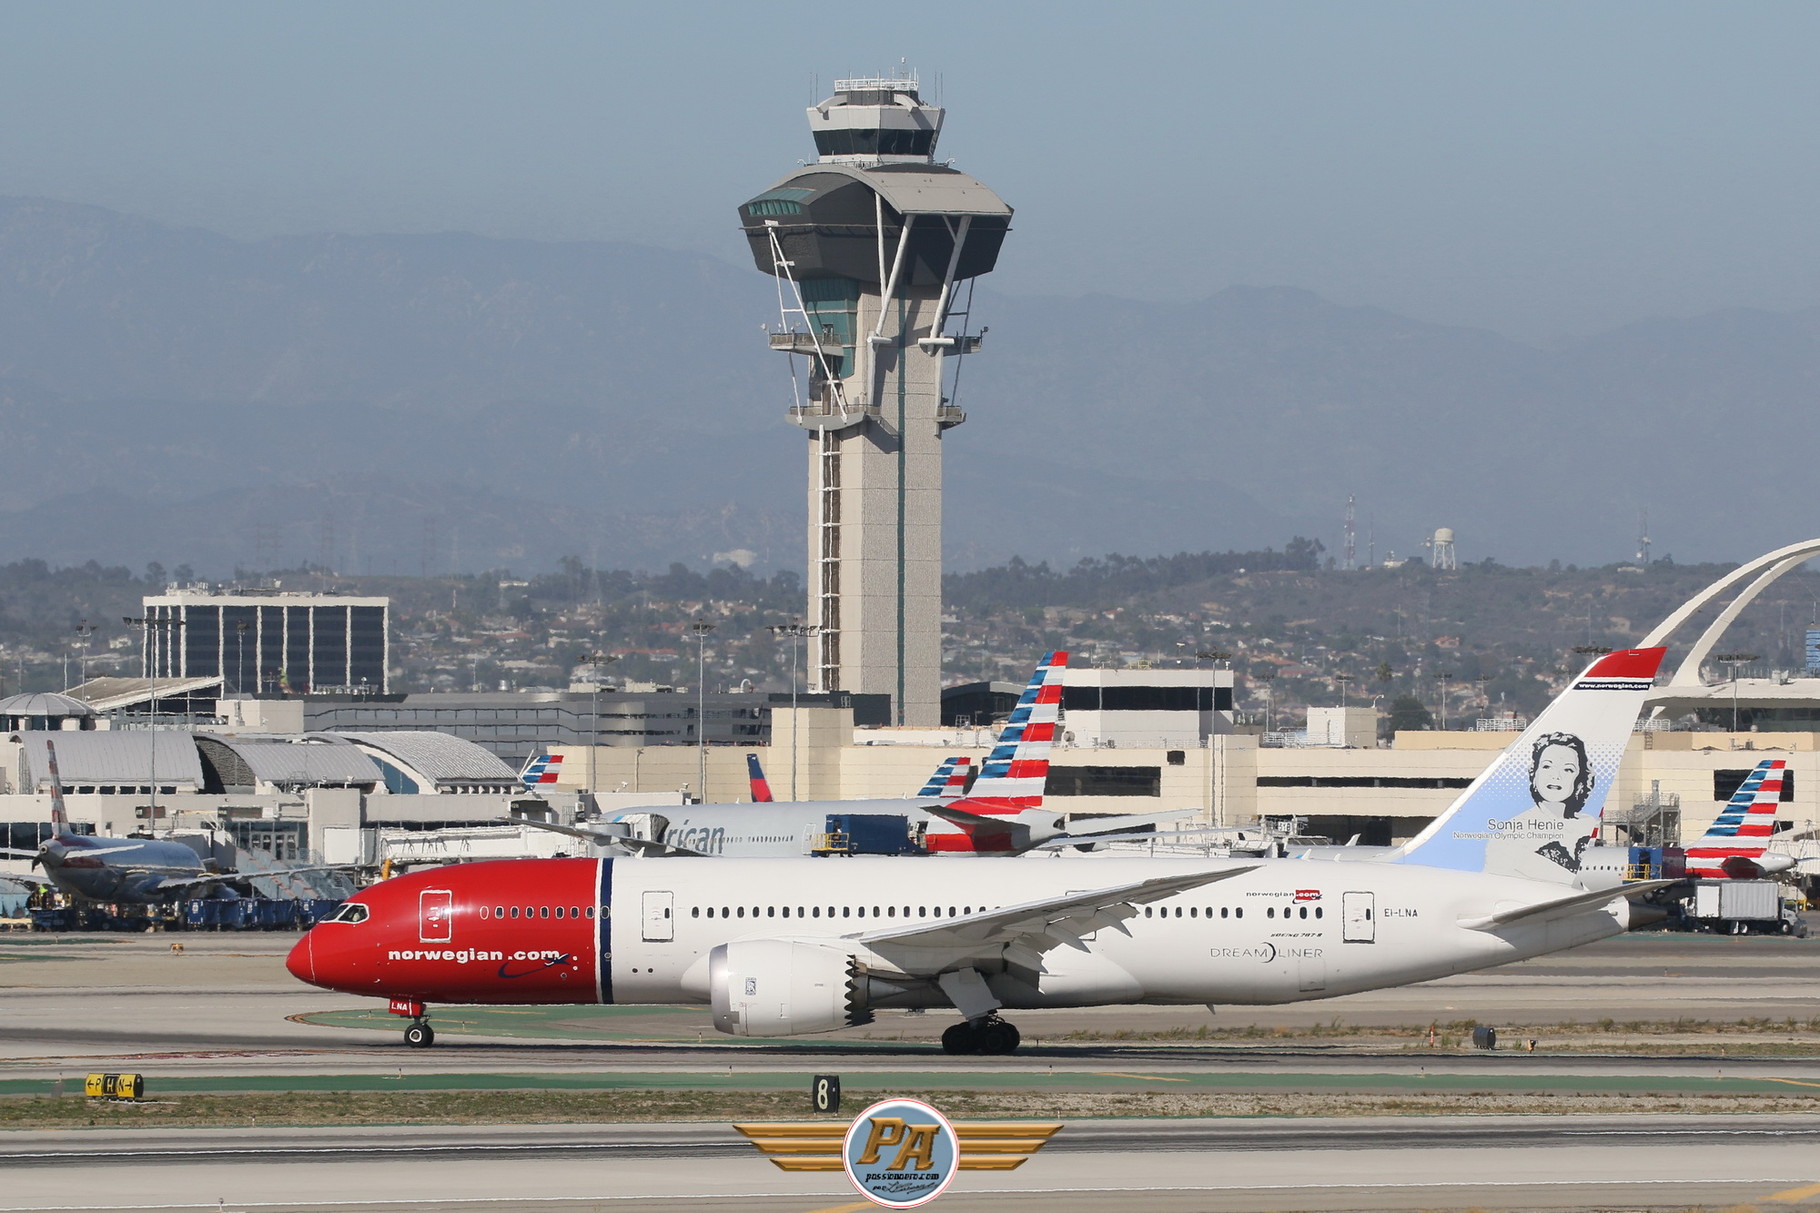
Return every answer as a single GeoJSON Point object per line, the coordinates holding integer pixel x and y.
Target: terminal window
{"type": "Point", "coordinates": [1727, 783]}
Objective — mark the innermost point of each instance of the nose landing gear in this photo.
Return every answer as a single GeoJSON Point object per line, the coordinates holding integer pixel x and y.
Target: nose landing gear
{"type": "Point", "coordinates": [419, 1035]}
{"type": "Point", "coordinates": [988, 1037]}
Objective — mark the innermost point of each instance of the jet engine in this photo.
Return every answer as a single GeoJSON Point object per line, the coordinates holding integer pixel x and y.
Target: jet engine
{"type": "Point", "coordinates": [781, 987]}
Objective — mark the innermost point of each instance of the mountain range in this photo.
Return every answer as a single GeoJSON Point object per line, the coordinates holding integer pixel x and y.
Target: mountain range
{"type": "Point", "coordinates": [419, 403]}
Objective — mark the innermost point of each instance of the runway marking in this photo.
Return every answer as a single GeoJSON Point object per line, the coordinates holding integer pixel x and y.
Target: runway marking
{"type": "Point", "coordinates": [1140, 1077]}
{"type": "Point", "coordinates": [1793, 1082]}
{"type": "Point", "coordinates": [1794, 1194]}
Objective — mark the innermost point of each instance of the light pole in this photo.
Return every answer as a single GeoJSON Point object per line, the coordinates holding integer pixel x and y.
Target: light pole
{"type": "Point", "coordinates": [85, 629]}
{"type": "Point", "coordinates": [1734, 660]}
{"type": "Point", "coordinates": [1444, 675]}
{"type": "Point", "coordinates": [154, 627]}
{"type": "Point", "coordinates": [1270, 697]}
{"type": "Point", "coordinates": [795, 631]}
{"type": "Point", "coordinates": [596, 659]}
{"type": "Point", "coordinates": [240, 630]}
{"type": "Point", "coordinates": [701, 628]}
{"type": "Point", "coordinates": [1344, 680]}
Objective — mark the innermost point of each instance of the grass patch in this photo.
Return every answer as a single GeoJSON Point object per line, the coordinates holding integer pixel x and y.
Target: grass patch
{"type": "Point", "coordinates": [1788, 1036]}
{"type": "Point", "coordinates": [623, 1107]}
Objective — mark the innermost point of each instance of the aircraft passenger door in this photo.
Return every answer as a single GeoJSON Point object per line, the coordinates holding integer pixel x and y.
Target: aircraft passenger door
{"type": "Point", "coordinates": [1358, 911]}
{"type": "Point", "coordinates": [659, 921]}
{"type": "Point", "coordinates": [435, 916]}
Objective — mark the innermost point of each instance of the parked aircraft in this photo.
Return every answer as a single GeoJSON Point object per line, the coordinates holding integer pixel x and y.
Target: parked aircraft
{"type": "Point", "coordinates": [791, 946]}
{"type": "Point", "coordinates": [1736, 845]}
{"type": "Point", "coordinates": [1002, 814]}
{"type": "Point", "coordinates": [135, 871]}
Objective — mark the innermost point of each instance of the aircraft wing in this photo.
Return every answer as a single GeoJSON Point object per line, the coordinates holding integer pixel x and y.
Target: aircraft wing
{"type": "Point", "coordinates": [1561, 906]}
{"type": "Point", "coordinates": [1028, 930]}
{"type": "Point", "coordinates": [642, 845]}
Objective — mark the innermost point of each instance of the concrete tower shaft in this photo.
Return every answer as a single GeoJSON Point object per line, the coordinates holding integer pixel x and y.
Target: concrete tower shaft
{"type": "Point", "coordinates": [869, 245]}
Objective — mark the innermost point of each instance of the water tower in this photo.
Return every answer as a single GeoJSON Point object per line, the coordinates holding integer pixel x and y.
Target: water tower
{"type": "Point", "coordinates": [875, 247]}
{"type": "Point", "coordinates": [1442, 544]}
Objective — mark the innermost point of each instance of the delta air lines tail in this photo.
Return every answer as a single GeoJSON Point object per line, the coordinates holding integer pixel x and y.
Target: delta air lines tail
{"type": "Point", "coordinates": [1535, 810]}
{"type": "Point", "coordinates": [755, 775]}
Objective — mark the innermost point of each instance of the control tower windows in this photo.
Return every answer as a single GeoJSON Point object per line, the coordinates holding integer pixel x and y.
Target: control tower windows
{"type": "Point", "coordinates": [864, 141]}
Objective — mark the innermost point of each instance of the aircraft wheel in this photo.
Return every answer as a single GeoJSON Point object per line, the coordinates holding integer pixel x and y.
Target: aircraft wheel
{"type": "Point", "coordinates": [998, 1038]}
{"type": "Point", "coordinates": [419, 1035]}
{"type": "Point", "coordinates": [959, 1039]}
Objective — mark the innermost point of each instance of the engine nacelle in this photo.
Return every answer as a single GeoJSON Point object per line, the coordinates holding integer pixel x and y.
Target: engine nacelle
{"type": "Point", "coordinates": [779, 987]}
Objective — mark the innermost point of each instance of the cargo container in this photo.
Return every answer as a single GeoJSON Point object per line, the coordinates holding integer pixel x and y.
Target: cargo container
{"type": "Point", "coordinates": [1738, 907]}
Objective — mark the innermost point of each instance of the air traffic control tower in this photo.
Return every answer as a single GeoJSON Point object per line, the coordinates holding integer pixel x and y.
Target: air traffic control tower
{"type": "Point", "coordinates": [875, 247]}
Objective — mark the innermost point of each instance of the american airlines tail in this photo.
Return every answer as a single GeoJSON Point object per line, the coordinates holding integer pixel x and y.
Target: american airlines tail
{"type": "Point", "coordinates": [1534, 811]}
{"type": "Point", "coordinates": [541, 769]}
{"type": "Point", "coordinates": [949, 781]}
{"type": "Point", "coordinates": [1014, 774]}
{"type": "Point", "coordinates": [1734, 846]}
{"type": "Point", "coordinates": [60, 818]}
{"type": "Point", "coordinates": [755, 775]}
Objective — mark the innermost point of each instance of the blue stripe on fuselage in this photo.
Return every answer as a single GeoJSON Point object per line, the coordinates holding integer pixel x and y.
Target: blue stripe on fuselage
{"type": "Point", "coordinates": [603, 932]}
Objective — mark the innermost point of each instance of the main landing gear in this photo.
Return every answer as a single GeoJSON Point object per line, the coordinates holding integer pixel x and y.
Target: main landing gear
{"type": "Point", "coordinates": [988, 1037]}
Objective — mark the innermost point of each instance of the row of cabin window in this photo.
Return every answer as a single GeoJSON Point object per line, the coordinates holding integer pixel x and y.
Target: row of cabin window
{"type": "Point", "coordinates": [537, 912]}
{"type": "Point", "coordinates": [845, 912]}
{"type": "Point", "coordinates": [1238, 912]}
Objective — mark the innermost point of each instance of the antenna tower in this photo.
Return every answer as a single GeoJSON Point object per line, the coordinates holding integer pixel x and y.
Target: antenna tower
{"type": "Point", "coordinates": [1352, 535]}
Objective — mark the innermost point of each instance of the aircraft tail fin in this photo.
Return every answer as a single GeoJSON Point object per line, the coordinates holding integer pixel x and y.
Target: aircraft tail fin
{"type": "Point", "coordinates": [60, 818]}
{"type": "Point", "coordinates": [540, 770]}
{"type": "Point", "coordinates": [1737, 839]}
{"type": "Point", "coordinates": [1015, 773]}
{"type": "Point", "coordinates": [755, 774]}
{"type": "Point", "coordinates": [1536, 808]}
{"type": "Point", "coordinates": [949, 781]}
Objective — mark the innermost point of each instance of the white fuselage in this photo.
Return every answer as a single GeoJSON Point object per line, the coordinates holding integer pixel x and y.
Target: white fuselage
{"type": "Point", "coordinates": [1285, 931]}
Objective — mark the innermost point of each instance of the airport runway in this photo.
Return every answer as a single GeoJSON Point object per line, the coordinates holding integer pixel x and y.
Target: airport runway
{"type": "Point", "coordinates": [225, 1005]}
{"type": "Point", "coordinates": [1375, 1164]}
{"type": "Point", "coordinates": [222, 1014]}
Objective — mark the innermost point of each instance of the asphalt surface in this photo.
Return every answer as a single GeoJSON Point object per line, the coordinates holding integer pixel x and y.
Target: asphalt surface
{"type": "Point", "coordinates": [223, 1014]}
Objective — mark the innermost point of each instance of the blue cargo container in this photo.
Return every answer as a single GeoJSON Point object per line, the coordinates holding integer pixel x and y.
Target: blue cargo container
{"type": "Point", "coordinates": [870, 834]}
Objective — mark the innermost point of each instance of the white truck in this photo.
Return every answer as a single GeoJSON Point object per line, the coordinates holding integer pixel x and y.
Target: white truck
{"type": "Point", "coordinates": [1740, 907]}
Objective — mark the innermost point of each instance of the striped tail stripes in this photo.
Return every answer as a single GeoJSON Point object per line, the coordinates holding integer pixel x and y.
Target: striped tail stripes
{"type": "Point", "coordinates": [542, 769]}
{"type": "Point", "coordinates": [1014, 774]}
{"type": "Point", "coordinates": [1741, 832]}
{"type": "Point", "coordinates": [949, 780]}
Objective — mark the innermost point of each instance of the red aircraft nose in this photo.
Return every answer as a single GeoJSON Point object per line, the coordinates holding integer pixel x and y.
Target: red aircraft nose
{"type": "Point", "coordinates": [302, 961]}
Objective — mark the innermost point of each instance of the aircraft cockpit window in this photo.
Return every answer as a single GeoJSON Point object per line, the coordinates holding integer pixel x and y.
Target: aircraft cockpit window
{"type": "Point", "coordinates": [350, 911]}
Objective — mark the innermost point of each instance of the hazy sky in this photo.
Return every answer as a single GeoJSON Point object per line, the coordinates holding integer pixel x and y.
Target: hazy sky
{"type": "Point", "coordinates": [1544, 169]}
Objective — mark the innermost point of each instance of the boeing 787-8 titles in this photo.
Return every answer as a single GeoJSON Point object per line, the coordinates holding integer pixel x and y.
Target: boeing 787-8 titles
{"type": "Point", "coordinates": [781, 947]}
